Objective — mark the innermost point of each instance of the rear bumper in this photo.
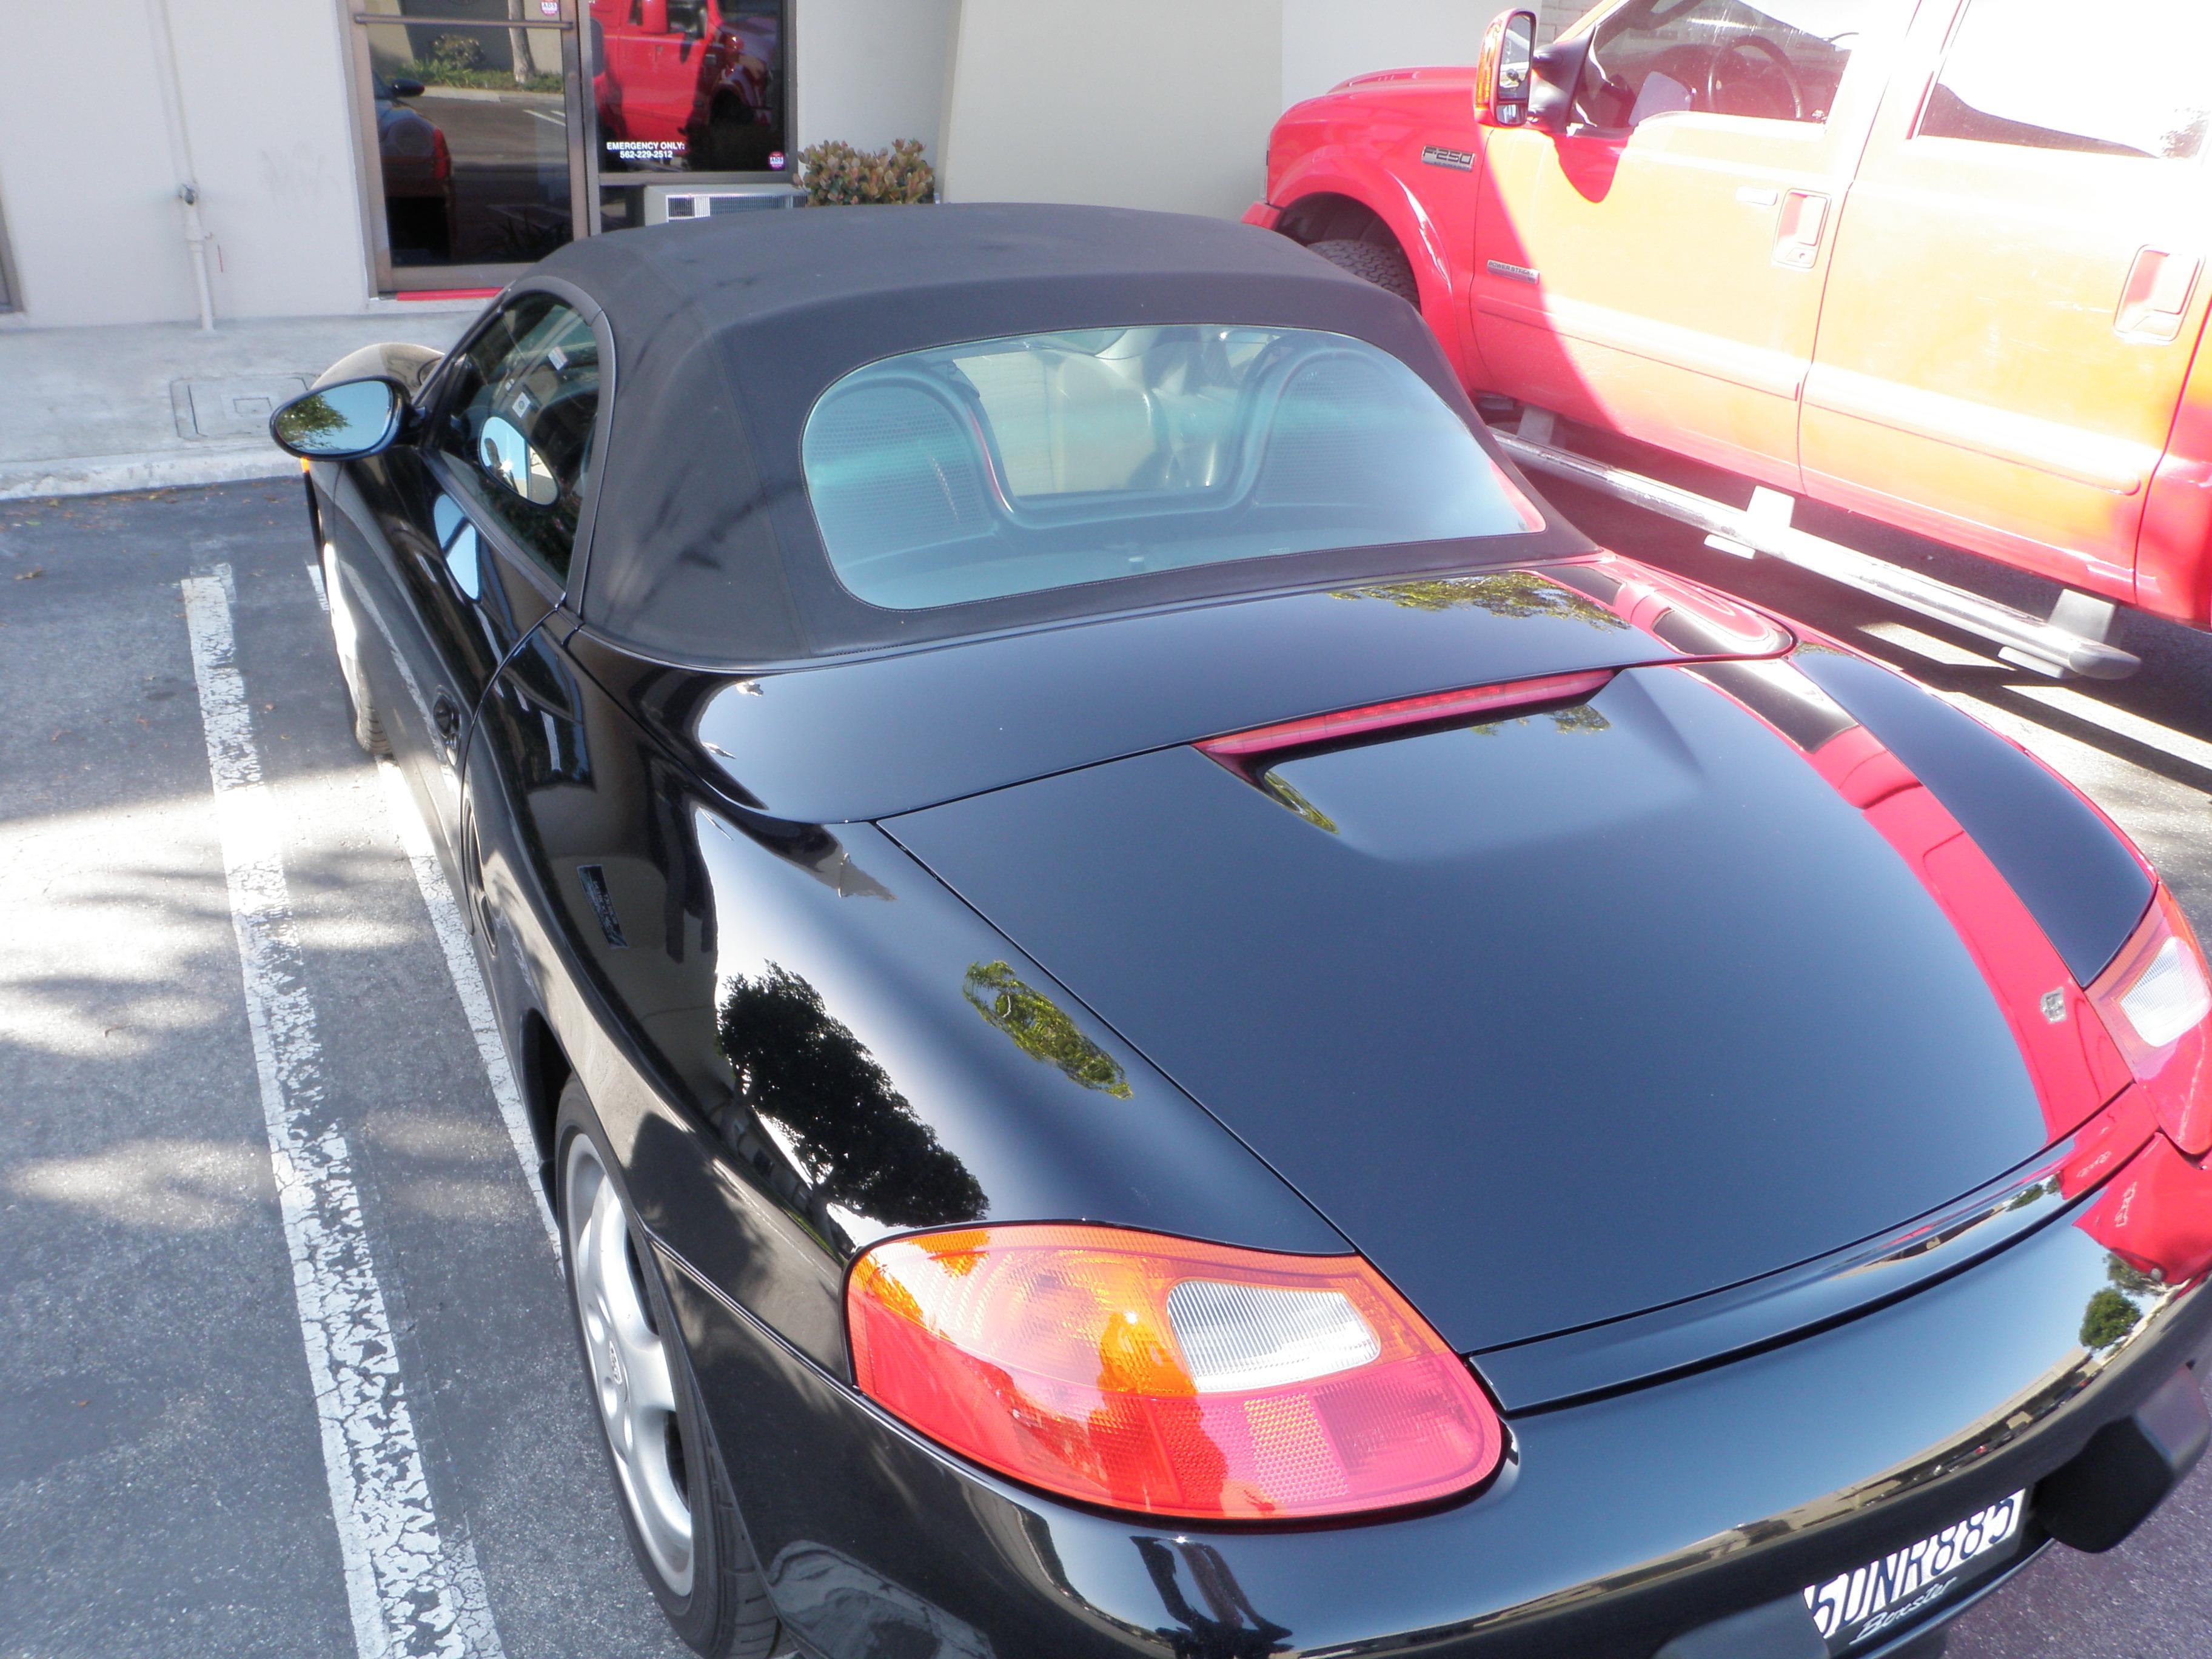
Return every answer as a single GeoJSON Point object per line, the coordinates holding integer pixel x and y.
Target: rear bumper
{"type": "Point", "coordinates": [1618, 1526]}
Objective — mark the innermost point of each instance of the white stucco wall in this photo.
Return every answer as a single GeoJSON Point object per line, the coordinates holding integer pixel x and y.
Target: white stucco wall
{"type": "Point", "coordinates": [1325, 41]}
{"type": "Point", "coordinates": [1150, 103]}
{"type": "Point", "coordinates": [869, 71]}
{"type": "Point", "coordinates": [86, 167]}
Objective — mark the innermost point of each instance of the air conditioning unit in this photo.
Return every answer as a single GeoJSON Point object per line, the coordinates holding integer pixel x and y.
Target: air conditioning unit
{"type": "Point", "coordinates": [674, 203]}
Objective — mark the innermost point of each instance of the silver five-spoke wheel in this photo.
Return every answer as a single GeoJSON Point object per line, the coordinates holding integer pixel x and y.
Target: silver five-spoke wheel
{"type": "Point", "coordinates": [629, 1365]}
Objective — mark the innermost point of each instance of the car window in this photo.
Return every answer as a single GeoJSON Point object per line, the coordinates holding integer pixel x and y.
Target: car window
{"type": "Point", "coordinates": [2014, 75]}
{"type": "Point", "coordinates": [519, 422]}
{"type": "Point", "coordinates": [1781, 60]}
{"type": "Point", "coordinates": [1048, 460]}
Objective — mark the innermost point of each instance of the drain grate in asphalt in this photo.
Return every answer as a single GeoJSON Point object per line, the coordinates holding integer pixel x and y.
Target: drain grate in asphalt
{"type": "Point", "coordinates": [237, 408]}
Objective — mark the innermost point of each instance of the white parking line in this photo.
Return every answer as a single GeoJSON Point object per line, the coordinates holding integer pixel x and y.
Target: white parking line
{"type": "Point", "coordinates": [315, 576]}
{"type": "Point", "coordinates": [410, 1593]}
{"type": "Point", "coordinates": [1928, 646]}
{"type": "Point", "coordinates": [2195, 751]}
{"type": "Point", "coordinates": [452, 932]}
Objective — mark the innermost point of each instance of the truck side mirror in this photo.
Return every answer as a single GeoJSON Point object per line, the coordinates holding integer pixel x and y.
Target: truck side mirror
{"type": "Point", "coordinates": [653, 17]}
{"type": "Point", "coordinates": [1501, 74]}
{"type": "Point", "coordinates": [1555, 73]}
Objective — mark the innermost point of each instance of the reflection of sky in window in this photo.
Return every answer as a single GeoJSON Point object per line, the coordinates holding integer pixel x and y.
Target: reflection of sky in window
{"type": "Point", "coordinates": [1823, 19]}
{"type": "Point", "coordinates": [2019, 60]}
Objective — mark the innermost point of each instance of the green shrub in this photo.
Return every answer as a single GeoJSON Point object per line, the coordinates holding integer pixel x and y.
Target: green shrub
{"type": "Point", "coordinates": [837, 175]}
{"type": "Point", "coordinates": [455, 51]}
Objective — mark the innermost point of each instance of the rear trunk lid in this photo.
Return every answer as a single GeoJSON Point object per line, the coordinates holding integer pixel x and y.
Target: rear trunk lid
{"type": "Point", "coordinates": [1559, 1018]}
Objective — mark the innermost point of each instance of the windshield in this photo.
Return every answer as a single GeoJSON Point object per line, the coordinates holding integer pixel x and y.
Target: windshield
{"type": "Point", "coordinates": [1042, 461]}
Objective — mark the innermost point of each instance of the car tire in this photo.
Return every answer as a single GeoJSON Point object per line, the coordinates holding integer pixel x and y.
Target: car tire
{"type": "Point", "coordinates": [368, 728]}
{"type": "Point", "coordinates": [1380, 262]}
{"type": "Point", "coordinates": [661, 1453]}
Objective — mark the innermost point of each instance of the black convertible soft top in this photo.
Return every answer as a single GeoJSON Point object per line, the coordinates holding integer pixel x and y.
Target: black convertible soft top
{"type": "Point", "coordinates": [703, 548]}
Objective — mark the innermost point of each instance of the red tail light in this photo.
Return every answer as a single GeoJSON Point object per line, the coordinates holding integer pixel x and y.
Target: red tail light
{"type": "Point", "coordinates": [2155, 998]}
{"type": "Point", "coordinates": [441, 156]}
{"type": "Point", "coordinates": [1160, 1375]}
{"type": "Point", "coordinates": [1479, 700]}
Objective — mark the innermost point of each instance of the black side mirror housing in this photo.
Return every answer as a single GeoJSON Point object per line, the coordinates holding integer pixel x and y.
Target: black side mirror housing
{"type": "Point", "coordinates": [344, 422]}
{"type": "Point", "coordinates": [1557, 71]}
{"type": "Point", "coordinates": [406, 87]}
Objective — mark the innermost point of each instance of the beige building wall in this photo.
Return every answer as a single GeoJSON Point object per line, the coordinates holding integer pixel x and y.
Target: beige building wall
{"type": "Point", "coordinates": [1150, 103]}
{"type": "Point", "coordinates": [870, 71]}
{"type": "Point", "coordinates": [1326, 42]}
{"type": "Point", "coordinates": [88, 171]}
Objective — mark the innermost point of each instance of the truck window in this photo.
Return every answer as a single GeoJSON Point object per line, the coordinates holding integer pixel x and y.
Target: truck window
{"type": "Point", "coordinates": [1778, 61]}
{"type": "Point", "coordinates": [2011, 77]}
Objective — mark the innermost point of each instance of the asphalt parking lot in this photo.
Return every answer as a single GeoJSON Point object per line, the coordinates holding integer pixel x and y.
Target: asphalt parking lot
{"type": "Point", "coordinates": [179, 1476]}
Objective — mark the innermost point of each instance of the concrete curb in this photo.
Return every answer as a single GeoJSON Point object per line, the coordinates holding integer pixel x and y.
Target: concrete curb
{"type": "Point", "coordinates": [101, 475]}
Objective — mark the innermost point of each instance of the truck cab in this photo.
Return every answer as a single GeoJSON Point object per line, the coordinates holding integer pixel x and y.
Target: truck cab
{"type": "Point", "coordinates": [1915, 258]}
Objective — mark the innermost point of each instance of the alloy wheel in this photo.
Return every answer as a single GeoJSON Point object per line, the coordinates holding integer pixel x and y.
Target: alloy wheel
{"type": "Point", "coordinates": [629, 1363]}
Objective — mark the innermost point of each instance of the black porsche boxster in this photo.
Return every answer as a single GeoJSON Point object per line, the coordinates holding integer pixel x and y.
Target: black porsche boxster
{"type": "Point", "coordinates": [1166, 1019]}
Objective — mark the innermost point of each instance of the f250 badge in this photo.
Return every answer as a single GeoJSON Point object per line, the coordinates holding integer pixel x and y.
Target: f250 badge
{"type": "Point", "coordinates": [1437, 157]}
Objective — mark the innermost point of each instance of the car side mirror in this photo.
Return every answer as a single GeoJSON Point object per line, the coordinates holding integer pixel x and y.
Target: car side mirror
{"type": "Point", "coordinates": [653, 17]}
{"type": "Point", "coordinates": [1555, 73]}
{"type": "Point", "coordinates": [341, 423]}
{"type": "Point", "coordinates": [405, 87]}
{"type": "Point", "coordinates": [1501, 75]}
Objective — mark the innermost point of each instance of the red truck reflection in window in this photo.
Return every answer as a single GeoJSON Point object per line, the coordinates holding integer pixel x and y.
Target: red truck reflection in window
{"type": "Point", "coordinates": [691, 85]}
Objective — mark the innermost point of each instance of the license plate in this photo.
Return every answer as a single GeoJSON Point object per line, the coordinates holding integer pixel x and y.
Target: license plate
{"type": "Point", "coordinates": [1885, 1595]}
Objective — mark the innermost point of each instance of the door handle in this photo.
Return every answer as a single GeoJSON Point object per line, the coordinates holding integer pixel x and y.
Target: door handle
{"type": "Point", "coordinates": [447, 714]}
{"type": "Point", "coordinates": [2156, 295]}
{"type": "Point", "coordinates": [1798, 228]}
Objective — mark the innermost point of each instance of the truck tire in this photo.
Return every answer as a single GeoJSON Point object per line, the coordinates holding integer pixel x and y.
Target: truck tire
{"type": "Point", "coordinates": [1379, 263]}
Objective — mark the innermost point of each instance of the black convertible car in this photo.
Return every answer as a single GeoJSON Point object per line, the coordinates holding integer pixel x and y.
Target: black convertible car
{"type": "Point", "coordinates": [1166, 1019]}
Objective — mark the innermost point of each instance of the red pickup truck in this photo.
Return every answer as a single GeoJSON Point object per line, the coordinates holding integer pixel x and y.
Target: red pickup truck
{"type": "Point", "coordinates": [1905, 256]}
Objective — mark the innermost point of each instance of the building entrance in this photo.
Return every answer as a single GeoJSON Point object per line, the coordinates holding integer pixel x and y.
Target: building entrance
{"type": "Point", "coordinates": [497, 130]}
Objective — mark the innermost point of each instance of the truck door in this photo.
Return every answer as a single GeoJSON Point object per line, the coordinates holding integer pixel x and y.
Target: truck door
{"type": "Point", "coordinates": [2018, 285]}
{"type": "Point", "coordinates": [1657, 268]}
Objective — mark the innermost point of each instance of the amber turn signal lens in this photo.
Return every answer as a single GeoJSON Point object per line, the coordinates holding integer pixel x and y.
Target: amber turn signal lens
{"type": "Point", "coordinates": [2155, 999]}
{"type": "Point", "coordinates": [1168, 1377]}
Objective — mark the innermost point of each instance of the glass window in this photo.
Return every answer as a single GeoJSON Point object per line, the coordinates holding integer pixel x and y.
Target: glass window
{"type": "Point", "coordinates": [2015, 74]}
{"type": "Point", "coordinates": [1780, 60]}
{"type": "Point", "coordinates": [519, 422]}
{"type": "Point", "coordinates": [1045, 460]}
{"type": "Point", "coordinates": [471, 140]}
{"type": "Point", "coordinates": [697, 86]}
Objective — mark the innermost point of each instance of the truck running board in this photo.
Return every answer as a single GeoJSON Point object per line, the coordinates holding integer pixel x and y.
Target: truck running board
{"type": "Point", "coordinates": [2047, 646]}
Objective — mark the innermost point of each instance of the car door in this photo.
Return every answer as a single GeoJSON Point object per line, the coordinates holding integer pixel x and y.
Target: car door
{"type": "Point", "coordinates": [506, 462]}
{"type": "Point", "coordinates": [2018, 285]}
{"type": "Point", "coordinates": [1655, 267]}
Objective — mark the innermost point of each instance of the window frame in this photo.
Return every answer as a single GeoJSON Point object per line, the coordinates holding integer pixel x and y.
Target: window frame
{"type": "Point", "coordinates": [438, 404]}
{"type": "Point", "coordinates": [1596, 21]}
{"type": "Point", "coordinates": [11, 292]}
{"type": "Point", "coordinates": [1918, 130]}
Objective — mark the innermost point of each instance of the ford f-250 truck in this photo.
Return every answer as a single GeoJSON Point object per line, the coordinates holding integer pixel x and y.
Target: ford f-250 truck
{"type": "Point", "coordinates": [1937, 262]}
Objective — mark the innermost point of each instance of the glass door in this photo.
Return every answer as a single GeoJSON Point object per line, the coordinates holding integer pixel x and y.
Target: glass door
{"type": "Point", "coordinates": [686, 92]}
{"type": "Point", "coordinates": [473, 118]}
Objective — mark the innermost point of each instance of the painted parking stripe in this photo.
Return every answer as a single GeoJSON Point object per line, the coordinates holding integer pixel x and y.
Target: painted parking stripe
{"type": "Point", "coordinates": [2193, 752]}
{"type": "Point", "coordinates": [412, 1594]}
{"type": "Point", "coordinates": [452, 933]}
{"type": "Point", "coordinates": [1928, 646]}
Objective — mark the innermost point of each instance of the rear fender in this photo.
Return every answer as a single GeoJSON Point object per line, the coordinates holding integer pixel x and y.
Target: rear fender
{"type": "Point", "coordinates": [1339, 170]}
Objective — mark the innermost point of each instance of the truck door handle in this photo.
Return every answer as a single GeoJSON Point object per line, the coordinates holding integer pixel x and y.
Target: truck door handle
{"type": "Point", "coordinates": [2156, 295]}
{"type": "Point", "coordinates": [1798, 228]}
{"type": "Point", "coordinates": [447, 714]}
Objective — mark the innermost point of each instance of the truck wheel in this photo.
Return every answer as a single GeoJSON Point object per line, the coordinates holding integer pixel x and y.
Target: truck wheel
{"type": "Point", "coordinates": [1379, 263]}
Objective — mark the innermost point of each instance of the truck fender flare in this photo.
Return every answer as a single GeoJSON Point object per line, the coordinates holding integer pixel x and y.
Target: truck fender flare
{"type": "Point", "coordinates": [1338, 171]}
